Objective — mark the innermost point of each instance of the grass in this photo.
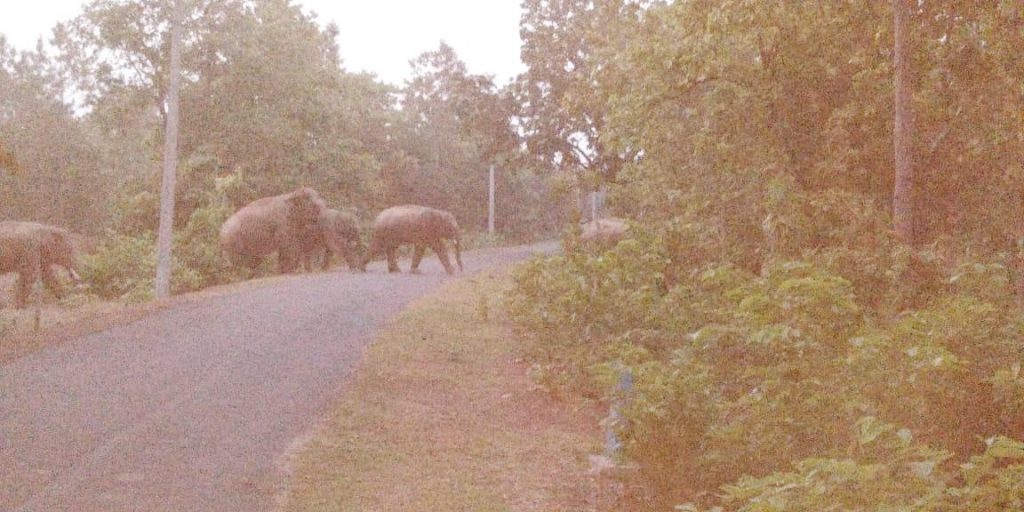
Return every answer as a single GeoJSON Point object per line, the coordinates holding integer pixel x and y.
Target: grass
{"type": "Point", "coordinates": [441, 416]}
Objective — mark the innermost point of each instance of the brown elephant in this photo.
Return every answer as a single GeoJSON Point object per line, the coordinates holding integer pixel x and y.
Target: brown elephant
{"type": "Point", "coordinates": [604, 233]}
{"type": "Point", "coordinates": [336, 232]}
{"type": "Point", "coordinates": [31, 249]}
{"type": "Point", "coordinates": [418, 226]}
{"type": "Point", "coordinates": [271, 224]}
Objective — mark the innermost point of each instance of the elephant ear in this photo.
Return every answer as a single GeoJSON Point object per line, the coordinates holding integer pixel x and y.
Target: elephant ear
{"type": "Point", "coordinates": [446, 224]}
{"type": "Point", "coordinates": [60, 248]}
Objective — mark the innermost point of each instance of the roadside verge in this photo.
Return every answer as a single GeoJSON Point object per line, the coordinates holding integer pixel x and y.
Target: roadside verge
{"type": "Point", "coordinates": [440, 415]}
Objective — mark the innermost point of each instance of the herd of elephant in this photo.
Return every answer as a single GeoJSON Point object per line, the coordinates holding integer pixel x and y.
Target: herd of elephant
{"type": "Point", "coordinates": [297, 226]}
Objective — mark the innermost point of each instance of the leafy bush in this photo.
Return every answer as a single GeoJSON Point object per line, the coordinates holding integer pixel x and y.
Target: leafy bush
{"type": "Point", "coordinates": [125, 264]}
{"type": "Point", "coordinates": [888, 471]}
{"type": "Point", "coordinates": [122, 265]}
{"type": "Point", "coordinates": [197, 243]}
{"type": "Point", "coordinates": [741, 377]}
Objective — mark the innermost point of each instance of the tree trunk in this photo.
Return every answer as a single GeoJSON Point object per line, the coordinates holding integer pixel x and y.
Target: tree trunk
{"type": "Point", "coordinates": [166, 231]}
{"type": "Point", "coordinates": [903, 128]}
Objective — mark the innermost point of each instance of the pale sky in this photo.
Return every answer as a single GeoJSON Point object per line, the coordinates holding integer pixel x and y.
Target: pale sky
{"type": "Point", "coordinates": [379, 36]}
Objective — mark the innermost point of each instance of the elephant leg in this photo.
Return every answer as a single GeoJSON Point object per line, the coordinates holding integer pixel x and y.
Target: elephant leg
{"type": "Point", "coordinates": [287, 261]}
{"type": "Point", "coordinates": [392, 253]}
{"type": "Point", "coordinates": [252, 263]}
{"type": "Point", "coordinates": [442, 254]}
{"type": "Point", "coordinates": [371, 252]}
{"type": "Point", "coordinates": [351, 257]}
{"type": "Point", "coordinates": [26, 278]}
{"type": "Point", "coordinates": [327, 260]}
{"type": "Point", "coordinates": [51, 282]}
{"type": "Point", "coordinates": [310, 261]}
{"type": "Point", "coordinates": [417, 257]}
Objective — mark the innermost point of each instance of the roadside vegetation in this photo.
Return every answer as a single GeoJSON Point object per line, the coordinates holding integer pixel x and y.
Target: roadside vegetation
{"type": "Point", "coordinates": [789, 349]}
{"type": "Point", "coordinates": [441, 415]}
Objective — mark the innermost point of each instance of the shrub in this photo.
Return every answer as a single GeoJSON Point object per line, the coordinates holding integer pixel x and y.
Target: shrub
{"type": "Point", "coordinates": [197, 248]}
{"type": "Point", "coordinates": [122, 264]}
{"type": "Point", "coordinates": [124, 267]}
{"type": "Point", "coordinates": [740, 378]}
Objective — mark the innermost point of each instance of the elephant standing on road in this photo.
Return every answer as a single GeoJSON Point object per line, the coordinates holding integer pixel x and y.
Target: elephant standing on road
{"type": "Point", "coordinates": [31, 249]}
{"type": "Point", "coordinates": [271, 224]}
{"type": "Point", "coordinates": [418, 226]}
{"type": "Point", "coordinates": [336, 232]}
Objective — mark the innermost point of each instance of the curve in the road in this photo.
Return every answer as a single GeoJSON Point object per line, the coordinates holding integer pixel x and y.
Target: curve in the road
{"type": "Point", "coordinates": [190, 408]}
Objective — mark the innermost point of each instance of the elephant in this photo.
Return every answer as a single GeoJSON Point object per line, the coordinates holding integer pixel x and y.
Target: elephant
{"type": "Point", "coordinates": [31, 249]}
{"type": "Point", "coordinates": [271, 224]}
{"type": "Point", "coordinates": [336, 232]}
{"type": "Point", "coordinates": [419, 226]}
{"type": "Point", "coordinates": [603, 233]}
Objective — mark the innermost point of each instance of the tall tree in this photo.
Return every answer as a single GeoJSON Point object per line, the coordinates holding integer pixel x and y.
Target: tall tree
{"type": "Point", "coordinates": [53, 173]}
{"type": "Point", "coordinates": [903, 127]}
{"type": "Point", "coordinates": [458, 125]}
{"type": "Point", "coordinates": [564, 44]}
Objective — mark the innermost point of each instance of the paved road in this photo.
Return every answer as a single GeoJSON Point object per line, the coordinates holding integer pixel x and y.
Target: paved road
{"type": "Point", "coordinates": [192, 408]}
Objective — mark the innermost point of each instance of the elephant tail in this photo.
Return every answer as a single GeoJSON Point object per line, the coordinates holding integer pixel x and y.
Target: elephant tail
{"type": "Point", "coordinates": [458, 252]}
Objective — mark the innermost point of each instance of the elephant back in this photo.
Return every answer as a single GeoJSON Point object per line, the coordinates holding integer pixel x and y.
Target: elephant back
{"type": "Point", "coordinates": [271, 223]}
{"type": "Point", "coordinates": [602, 232]}
{"type": "Point", "coordinates": [23, 243]}
{"type": "Point", "coordinates": [404, 224]}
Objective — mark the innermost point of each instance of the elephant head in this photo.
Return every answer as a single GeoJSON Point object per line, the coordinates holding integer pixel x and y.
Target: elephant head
{"type": "Point", "coordinates": [304, 207]}
{"type": "Point", "coordinates": [443, 223]}
{"type": "Point", "coordinates": [338, 233]}
{"type": "Point", "coordinates": [57, 248]}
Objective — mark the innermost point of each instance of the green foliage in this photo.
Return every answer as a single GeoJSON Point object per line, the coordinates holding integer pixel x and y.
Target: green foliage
{"type": "Point", "coordinates": [741, 376]}
{"type": "Point", "coordinates": [196, 245]}
{"type": "Point", "coordinates": [57, 176]}
{"type": "Point", "coordinates": [890, 472]}
{"type": "Point", "coordinates": [122, 266]}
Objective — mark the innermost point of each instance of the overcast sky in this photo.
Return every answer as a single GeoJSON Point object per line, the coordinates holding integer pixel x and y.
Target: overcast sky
{"type": "Point", "coordinates": [379, 36]}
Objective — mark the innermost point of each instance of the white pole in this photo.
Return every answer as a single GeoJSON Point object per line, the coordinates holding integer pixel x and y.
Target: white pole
{"type": "Point", "coordinates": [165, 233]}
{"type": "Point", "coordinates": [593, 205]}
{"type": "Point", "coordinates": [490, 202]}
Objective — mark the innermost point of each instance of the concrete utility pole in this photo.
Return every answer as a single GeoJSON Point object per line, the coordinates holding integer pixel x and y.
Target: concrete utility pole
{"type": "Point", "coordinates": [490, 202]}
{"type": "Point", "coordinates": [165, 235]}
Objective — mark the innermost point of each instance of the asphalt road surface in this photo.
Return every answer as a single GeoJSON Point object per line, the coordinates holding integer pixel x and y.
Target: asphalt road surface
{"type": "Point", "coordinates": [192, 408]}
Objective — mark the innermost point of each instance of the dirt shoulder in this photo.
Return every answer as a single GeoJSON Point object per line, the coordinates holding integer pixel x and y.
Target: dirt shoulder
{"type": "Point", "coordinates": [441, 415]}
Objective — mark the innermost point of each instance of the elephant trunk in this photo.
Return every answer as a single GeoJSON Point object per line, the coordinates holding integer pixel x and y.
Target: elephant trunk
{"type": "Point", "coordinates": [458, 252]}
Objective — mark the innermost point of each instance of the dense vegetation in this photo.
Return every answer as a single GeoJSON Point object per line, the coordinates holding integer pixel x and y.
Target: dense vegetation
{"type": "Point", "coordinates": [267, 105]}
{"type": "Point", "coordinates": [788, 351]}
